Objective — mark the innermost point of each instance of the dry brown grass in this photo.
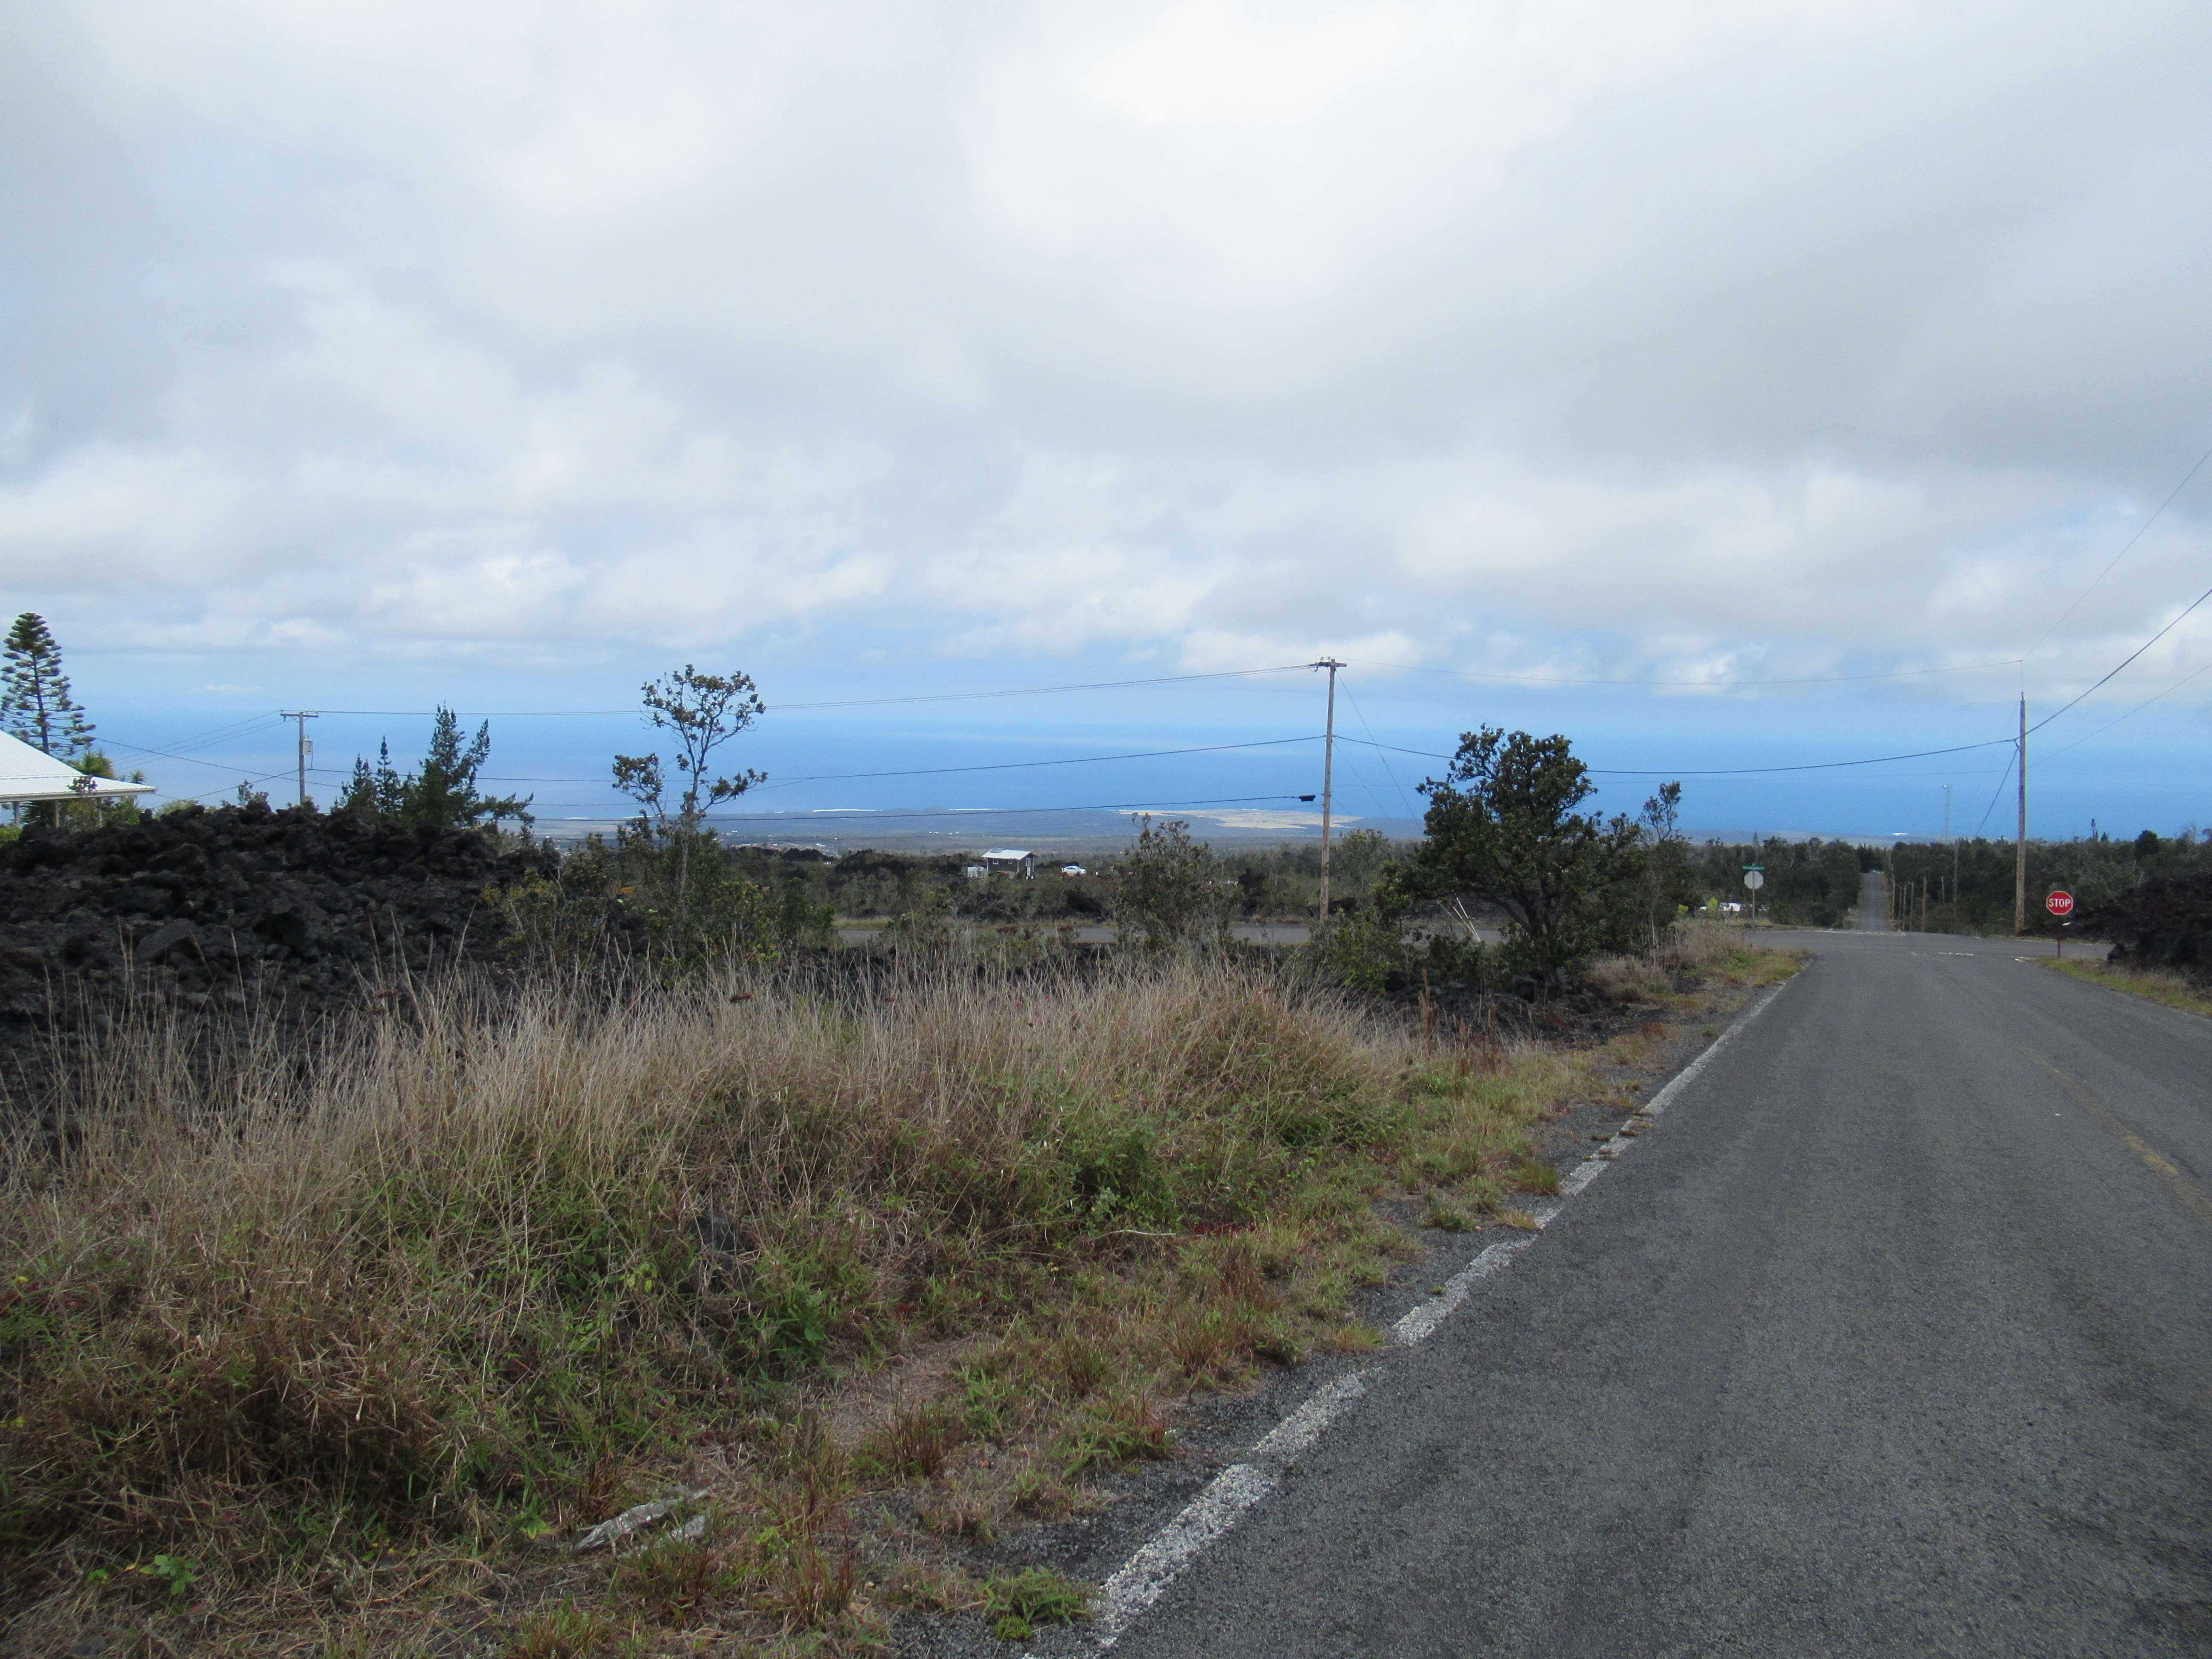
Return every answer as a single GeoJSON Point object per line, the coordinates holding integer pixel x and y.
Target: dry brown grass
{"type": "Point", "coordinates": [1719, 953]}
{"type": "Point", "coordinates": [2153, 984]}
{"type": "Point", "coordinates": [350, 1331]}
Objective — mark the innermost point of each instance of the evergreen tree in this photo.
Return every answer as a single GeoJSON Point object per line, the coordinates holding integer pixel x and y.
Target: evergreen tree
{"type": "Point", "coordinates": [35, 706]}
{"type": "Point", "coordinates": [443, 793]}
{"type": "Point", "coordinates": [381, 790]}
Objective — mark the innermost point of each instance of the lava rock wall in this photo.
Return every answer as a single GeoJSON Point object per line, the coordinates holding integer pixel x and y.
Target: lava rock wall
{"type": "Point", "coordinates": [217, 909]}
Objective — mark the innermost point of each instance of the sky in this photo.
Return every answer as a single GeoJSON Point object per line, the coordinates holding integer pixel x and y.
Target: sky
{"type": "Point", "coordinates": [1726, 384]}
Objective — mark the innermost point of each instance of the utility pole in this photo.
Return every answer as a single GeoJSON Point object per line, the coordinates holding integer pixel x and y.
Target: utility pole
{"type": "Point", "coordinates": [307, 744]}
{"type": "Point", "coordinates": [1328, 775]}
{"type": "Point", "coordinates": [2020, 854]}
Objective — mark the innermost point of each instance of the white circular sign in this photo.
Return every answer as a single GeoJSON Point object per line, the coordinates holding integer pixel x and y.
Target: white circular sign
{"type": "Point", "coordinates": [1755, 879]}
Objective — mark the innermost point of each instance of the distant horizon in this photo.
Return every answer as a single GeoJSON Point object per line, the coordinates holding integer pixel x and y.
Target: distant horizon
{"type": "Point", "coordinates": [1746, 391]}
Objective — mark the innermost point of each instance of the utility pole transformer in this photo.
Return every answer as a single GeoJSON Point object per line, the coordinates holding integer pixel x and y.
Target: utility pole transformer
{"type": "Point", "coordinates": [2019, 855]}
{"type": "Point", "coordinates": [1328, 775]}
{"type": "Point", "coordinates": [307, 744]}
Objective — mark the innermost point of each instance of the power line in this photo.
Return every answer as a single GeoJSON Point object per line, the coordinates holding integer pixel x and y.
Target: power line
{"type": "Point", "coordinates": [1079, 760]}
{"type": "Point", "coordinates": [1723, 771]}
{"type": "Point", "coordinates": [1999, 795]}
{"type": "Point", "coordinates": [2131, 657]}
{"type": "Point", "coordinates": [862, 814]}
{"type": "Point", "coordinates": [2142, 531]}
{"type": "Point", "coordinates": [2131, 712]}
{"type": "Point", "coordinates": [1404, 799]}
{"type": "Point", "coordinates": [1042, 690]}
{"type": "Point", "coordinates": [935, 771]}
{"type": "Point", "coordinates": [189, 760]}
{"type": "Point", "coordinates": [845, 702]}
{"type": "Point", "coordinates": [1713, 686]}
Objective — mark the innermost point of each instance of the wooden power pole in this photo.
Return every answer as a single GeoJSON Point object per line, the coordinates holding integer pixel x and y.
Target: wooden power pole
{"type": "Point", "coordinates": [2020, 853]}
{"type": "Point", "coordinates": [306, 745]}
{"type": "Point", "coordinates": [1328, 775]}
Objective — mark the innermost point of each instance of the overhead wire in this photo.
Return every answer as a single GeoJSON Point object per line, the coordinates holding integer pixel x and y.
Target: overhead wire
{"type": "Point", "coordinates": [837, 814]}
{"type": "Point", "coordinates": [1724, 771]}
{"type": "Point", "coordinates": [843, 702]}
{"type": "Point", "coordinates": [1381, 750]}
{"type": "Point", "coordinates": [1698, 684]}
{"type": "Point", "coordinates": [2124, 661]}
{"type": "Point", "coordinates": [935, 771]}
{"type": "Point", "coordinates": [2137, 709]}
{"type": "Point", "coordinates": [1404, 799]}
{"type": "Point", "coordinates": [2142, 531]}
{"type": "Point", "coordinates": [1999, 794]}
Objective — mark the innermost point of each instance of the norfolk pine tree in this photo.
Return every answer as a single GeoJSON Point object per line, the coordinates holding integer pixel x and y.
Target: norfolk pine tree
{"type": "Point", "coordinates": [35, 706]}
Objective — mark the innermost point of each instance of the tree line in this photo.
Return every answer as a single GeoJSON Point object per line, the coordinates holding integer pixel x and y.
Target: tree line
{"type": "Point", "coordinates": [1507, 843]}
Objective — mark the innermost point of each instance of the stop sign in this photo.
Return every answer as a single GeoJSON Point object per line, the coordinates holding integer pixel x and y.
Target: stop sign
{"type": "Point", "coordinates": [2060, 905]}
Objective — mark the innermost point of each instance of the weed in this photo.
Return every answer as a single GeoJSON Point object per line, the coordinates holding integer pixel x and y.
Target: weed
{"type": "Point", "coordinates": [489, 1265]}
{"type": "Point", "coordinates": [1036, 1595]}
{"type": "Point", "coordinates": [1446, 1218]}
{"type": "Point", "coordinates": [1533, 1175]}
{"type": "Point", "coordinates": [915, 1442]}
{"type": "Point", "coordinates": [929, 1586]}
{"type": "Point", "coordinates": [674, 1582]}
{"type": "Point", "coordinates": [177, 1575]}
{"type": "Point", "coordinates": [1118, 1430]}
{"type": "Point", "coordinates": [2153, 984]}
{"type": "Point", "coordinates": [568, 1633]}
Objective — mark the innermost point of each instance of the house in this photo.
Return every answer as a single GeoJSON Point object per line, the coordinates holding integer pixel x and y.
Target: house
{"type": "Point", "coordinates": [1011, 861]}
{"type": "Point", "coordinates": [27, 773]}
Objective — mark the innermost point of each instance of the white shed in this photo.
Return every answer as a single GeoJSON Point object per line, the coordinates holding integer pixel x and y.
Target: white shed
{"type": "Point", "coordinates": [1011, 861]}
{"type": "Point", "coordinates": [27, 773]}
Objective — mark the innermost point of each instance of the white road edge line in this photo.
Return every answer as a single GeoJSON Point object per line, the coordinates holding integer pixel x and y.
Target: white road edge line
{"type": "Point", "coordinates": [1164, 1557]}
{"type": "Point", "coordinates": [1174, 1547]}
{"type": "Point", "coordinates": [1591, 1168]}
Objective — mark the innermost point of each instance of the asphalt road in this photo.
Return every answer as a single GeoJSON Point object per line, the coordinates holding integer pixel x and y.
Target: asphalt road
{"type": "Point", "coordinates": [1896, 1338]}
{"type": "Point", "coordinates": [1874, 903]}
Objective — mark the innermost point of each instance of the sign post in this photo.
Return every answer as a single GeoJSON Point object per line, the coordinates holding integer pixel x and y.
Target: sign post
{"type": "Point", "coordinates": [2060, 905]}
{"type": "Point", "coordinates": [1754, 878]}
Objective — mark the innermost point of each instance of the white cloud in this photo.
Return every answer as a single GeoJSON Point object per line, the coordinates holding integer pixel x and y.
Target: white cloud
{"type": "Point", "coordinates": [1726, 338]}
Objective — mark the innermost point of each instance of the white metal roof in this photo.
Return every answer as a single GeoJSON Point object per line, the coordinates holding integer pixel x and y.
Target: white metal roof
{"type": "Point", "coordinates": [26, 774]}
{"type": "Point", "coordinates": [1009, 852]}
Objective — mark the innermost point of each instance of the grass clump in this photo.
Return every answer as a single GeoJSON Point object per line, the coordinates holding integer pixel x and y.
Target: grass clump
{"type": "Point", "coordinates": [1021, 1601]}
{"type": "Point", "coordinates": [1534, 1175]}
{"type": "Point", "coordinates": [337, 1327]}
{"type": "Point", "coordinates": [2151, 984]}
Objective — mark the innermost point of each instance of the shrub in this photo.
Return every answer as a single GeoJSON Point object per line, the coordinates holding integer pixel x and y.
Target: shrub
{"type": "Point", "coordinates": [1168, 890]}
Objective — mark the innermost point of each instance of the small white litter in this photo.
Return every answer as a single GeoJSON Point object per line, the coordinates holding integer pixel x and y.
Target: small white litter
{"type": "Point", "coordinates": [631, 1520]}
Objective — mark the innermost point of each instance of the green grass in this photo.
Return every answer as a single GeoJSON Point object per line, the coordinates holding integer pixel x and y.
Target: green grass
{"type": "Point", "coordinates": [2154, 985]}
{"type": "Point", "coordinates": [1020, 1602]}
{"type": "Point", "coordinates": [394, 1314]}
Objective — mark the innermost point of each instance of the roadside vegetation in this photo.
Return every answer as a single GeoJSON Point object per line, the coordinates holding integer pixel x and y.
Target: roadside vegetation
{"type": "Point", "coordinates": [2175, 990]}
{"type": "Point", "coordinates": [332, 1349]}
{"type": "Point", "coordinates": [664, 1274]}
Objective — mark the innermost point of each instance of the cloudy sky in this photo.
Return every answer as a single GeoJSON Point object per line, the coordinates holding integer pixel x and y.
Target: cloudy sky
{"type": "Point", "coordinates": [1724, 383]}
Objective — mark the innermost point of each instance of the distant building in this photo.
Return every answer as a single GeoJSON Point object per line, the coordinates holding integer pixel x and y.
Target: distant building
{"type": "Point", "coordinates": [1011, 861]}
{"type": "Point", "coordinates": [974, 872]}
{"type": "Point", "coordinates": [28, 774]}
